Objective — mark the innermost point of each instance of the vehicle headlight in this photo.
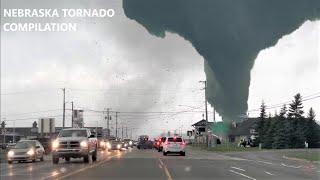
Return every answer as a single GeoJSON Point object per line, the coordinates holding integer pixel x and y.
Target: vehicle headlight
{"type": "Point", "coordinates": [84, 144]}
{"type": "Point", "coordinates": [125, 145]}
{"type": "Point", "coordinates": [30, 152]}
{"type": "Point", "coordinates": [108, 145]}
{"type": "Point", "coordinates": [118, 146]}
{"type": "Point", "coordinates": [10, 153]}
{"type": "Point", "coordinates": [102, 143]}
{"type": "Point", "coordinates": [55, 144]}
{"type": "Point", "coordinates": [130, 143]}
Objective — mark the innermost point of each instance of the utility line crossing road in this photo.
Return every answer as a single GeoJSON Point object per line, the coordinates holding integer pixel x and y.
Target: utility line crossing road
{"type": "Point", "coordinates": [149, 164]}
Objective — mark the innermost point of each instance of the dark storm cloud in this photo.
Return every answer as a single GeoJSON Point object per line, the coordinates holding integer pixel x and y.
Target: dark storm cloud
{"type": "Point", "coordinates": [228, 34]}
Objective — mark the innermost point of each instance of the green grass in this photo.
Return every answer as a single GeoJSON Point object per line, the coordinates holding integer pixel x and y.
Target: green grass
{"type": "Point", "coordinates": [306, 155]}
{"type": "Point", "coordinates": [226, 148]}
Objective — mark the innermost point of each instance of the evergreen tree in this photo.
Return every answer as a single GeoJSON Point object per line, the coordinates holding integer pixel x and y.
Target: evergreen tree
{"type": "Point", "coordinates": [312, 129]}
{"type": "Point", "coordinates": [263, 114]}
{"type": "Point", "coordinates": [269, 129]}
{"type": "Point", "coordinates": [3, 124]}
{"type": "Point", "coordinates": [311, 114]}
{"type": "Point", "coordinates": [296, 123]}
{"type": "Point", "coordinates": [295, 108]}
{"type": "Point", "coordinates": [283, 112]}
{"type": "Point", "coordinates": [260, 124]}
{"type": "Point", "coordinates": [281, 130]}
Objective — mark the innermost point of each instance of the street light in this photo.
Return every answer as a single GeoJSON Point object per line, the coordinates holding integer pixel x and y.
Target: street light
{"type": "Point", "coordinates": [14, 131]}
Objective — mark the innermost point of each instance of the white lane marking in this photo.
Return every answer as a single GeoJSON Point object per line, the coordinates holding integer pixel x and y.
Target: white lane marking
{"type": "Point", "coordinates": [269, 173]}
{"type": "Point", "coordinates": [160, 166]}
{"type": "Point", "coordinates": [265, 162]}
{"type": "Point", "coordinates": [296, 167]}
{"type": "Point", "coordinates": [242, 174]}
{"type": "Point", "coordinates": [237, 168]}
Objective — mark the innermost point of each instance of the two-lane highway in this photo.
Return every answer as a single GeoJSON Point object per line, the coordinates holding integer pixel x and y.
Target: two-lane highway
{"type": "Point", "coordinates": [150, 164]}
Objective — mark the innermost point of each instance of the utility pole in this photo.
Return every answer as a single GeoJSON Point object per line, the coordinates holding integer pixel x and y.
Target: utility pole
{"type": "Point", "coordinates": [205, 98]}
{"type": "Point", "coordinates": [131, 134]}
{"type": "Point", "coordinates": [117, 125]}
{"type": "Point", "coordinates": [14, 131]}
{"type": "Point", "coordinates": [122, 132]}
{"type": "Point", "coordinates": [64, 107]}
{"type": "Point", "coordinates": [72, 114]}
{"type": "Point", "coordinates": [97, 129]}
{"type": "Point", "coordinates": [126, 131]}
{"type": "Point", "coordinates": [206, 109]}
{"type": "Point", "coordinates": [3, 126]}
{"type": "Point", "coordinates": [108, 120]}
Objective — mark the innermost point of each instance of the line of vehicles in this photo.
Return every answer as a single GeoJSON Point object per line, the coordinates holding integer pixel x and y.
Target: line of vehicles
{"type": "Point", "coordinates": [82, 143]}
{"type": "Point", "coordinates": [167, 145]}
{"type": "Point", "coordinates": [70, 143]}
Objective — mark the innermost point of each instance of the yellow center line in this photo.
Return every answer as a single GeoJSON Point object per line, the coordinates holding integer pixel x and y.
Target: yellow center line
{"type": "Point", "coordinates": [165, 169]}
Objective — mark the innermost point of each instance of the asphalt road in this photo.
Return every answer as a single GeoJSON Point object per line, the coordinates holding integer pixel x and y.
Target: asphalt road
{"type": "Point", "coordinates": [149, 164]}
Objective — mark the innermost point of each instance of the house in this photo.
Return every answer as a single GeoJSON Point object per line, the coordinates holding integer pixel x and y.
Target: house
{"type": "Point", "coordinates": [243, 130]}
{"type": "Point", "coordinates": [200, 131]}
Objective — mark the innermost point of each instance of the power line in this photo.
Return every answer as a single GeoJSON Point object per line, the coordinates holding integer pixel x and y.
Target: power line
{"type": "Point", "coordinates": [26, 92]}
{"type": "Point", "coordinates": [33, 112]}
{"type": "Point", "coordinates": [32, 118]}
{"type": "Point", "coordinates": [286, 102]}
{"type": "Point", "coordinates": [135, 89]}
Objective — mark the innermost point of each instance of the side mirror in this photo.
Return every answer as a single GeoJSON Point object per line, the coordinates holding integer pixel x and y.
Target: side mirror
{"type": "Point", "coordinates": [37, 147]}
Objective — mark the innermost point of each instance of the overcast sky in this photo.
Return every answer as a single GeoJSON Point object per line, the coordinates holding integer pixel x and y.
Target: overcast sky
{"type": "Point", "coordinates": [116, 63]}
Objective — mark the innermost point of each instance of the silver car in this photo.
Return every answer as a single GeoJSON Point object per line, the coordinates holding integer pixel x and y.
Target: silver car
{"type": "Point", "coordinates": [26, 150]}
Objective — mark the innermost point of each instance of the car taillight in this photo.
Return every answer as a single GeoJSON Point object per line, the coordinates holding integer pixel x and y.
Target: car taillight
{"type": "Point", "coordinates": [167, 143]}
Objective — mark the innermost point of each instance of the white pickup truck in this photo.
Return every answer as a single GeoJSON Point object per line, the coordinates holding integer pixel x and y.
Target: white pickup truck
{"type": "Point", "coordinates": [74, 143]}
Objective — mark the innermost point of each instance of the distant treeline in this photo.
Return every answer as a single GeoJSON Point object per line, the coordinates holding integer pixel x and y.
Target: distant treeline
{"type": "Point", "coordinates": [288, 129]}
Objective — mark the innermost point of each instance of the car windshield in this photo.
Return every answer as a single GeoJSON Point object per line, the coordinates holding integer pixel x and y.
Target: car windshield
{"type": "Point", "coordinates": [23, 145]}
{"type": "Point", "coordinates": [73, 133]}
{"type": "Point", "coordinates": [174, 139]}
